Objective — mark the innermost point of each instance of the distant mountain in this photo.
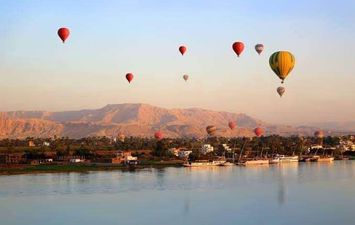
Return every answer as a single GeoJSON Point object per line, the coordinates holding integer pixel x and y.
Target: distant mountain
{"type": "Point", "coordinates": [133, 120]}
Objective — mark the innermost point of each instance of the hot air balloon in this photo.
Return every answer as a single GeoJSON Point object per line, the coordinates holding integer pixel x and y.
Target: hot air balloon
{"type": "Point", "coordinates": [258, 131]}
{"type": "Point", "coordinates": [63, 33]}
{"type": "Point", "coordinates": [259, 48]}
{"type": "Point", "coordinates": [121, 137]}
{"type": "Point", "coordinates": [186, 77]}
{"type": "Point", "coordinates": [282, 63]}
{"type": "Point", "coordinates": [319, 134]}
{"type": "Point", "coordinates": [211, 130]}
{"type": "Point", "coordinates": [238, 47]}
{"type": "Point", "coordinates": [281, 91]}
{"type": "Point", "coordinates": [158, 135]}
{"type": "Point", "coordinates": [129, 77]}
{"type": "Point", "coordinates": [182, 49]}
{"type": "Point", "coordinates": [232, 125]}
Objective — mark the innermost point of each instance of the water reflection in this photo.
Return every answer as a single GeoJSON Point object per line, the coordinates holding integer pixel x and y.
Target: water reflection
{"type": "Point", "coordinates": [308, 191]}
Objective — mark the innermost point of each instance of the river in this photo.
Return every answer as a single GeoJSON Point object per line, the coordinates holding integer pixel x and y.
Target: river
{"type": "Point", "coordinates": [304, 193]}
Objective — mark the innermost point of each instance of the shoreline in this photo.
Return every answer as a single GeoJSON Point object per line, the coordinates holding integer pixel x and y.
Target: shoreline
{"type": "Point", "coordinates": [68, 168]}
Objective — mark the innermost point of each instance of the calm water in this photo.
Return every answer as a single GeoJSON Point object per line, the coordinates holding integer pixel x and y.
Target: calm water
{"type": "Point", "coordinates": [307, 193]}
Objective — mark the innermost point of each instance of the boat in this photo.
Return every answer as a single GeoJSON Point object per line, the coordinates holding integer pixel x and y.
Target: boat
{"type": "Point", "coordinates": [325, 159]}
{"type": "Point", "coordinates": [204, 163]}
{"type": "Point", "coordinates": [227, 164]}
{"type": "Point", "coordinates": [253, 162]}
{"type": "Point", "coordinates": [284, 159]}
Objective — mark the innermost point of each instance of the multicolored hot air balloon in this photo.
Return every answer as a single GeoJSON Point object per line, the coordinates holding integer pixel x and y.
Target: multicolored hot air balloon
{"type": "Point", "coordinates": [185, 77]}
{"type": "Point", "coordinates": [258, 131]}
{"type": "Point", "coordinates": [129, 77]}
{"type": "Point", "coordinates": [232, 125]}
{"type": "Point", "coordinates": [282, 63]}
{"type": "Point", "coordinates": [182, 49]}
{"type": "Point", "coordinates": [63, 33]}
{"type": "Point", "coordinates": [211, 130]}
{"type": "Point", "coordinates": [259, 48]}
{"type": "Point", "coordinates": [158, 135]}
{"type": "Point", "coordinates": [319, 134]}
{"type": "Point", "coordinates": [281, 91]}
{"type": "Point", "coordinates": [238, 47]}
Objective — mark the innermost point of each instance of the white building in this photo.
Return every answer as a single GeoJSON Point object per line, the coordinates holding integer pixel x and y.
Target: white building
{"type": "Point", "coordinates": [226, 148]}
{"type": "Point", "coordinates": [184, 153]}
{"type": "Point", "coordinates": [206, 148]}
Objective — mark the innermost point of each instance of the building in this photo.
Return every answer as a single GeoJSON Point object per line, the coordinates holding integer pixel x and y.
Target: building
{"type": "Point", "coordinates": [206, 148]}
{"type": "Point", "coordinates": [31, 144]}
{"type": "Point", "coordinates": [12, 158]}
{"type": "Point", "coordinates": [226, 148]}
{"type": "Point", "coordinates": [174, 151]}
{"type": "Point", "coordinates": [117, 157]}
{"type": "Point", "coordinates": [184, 153]}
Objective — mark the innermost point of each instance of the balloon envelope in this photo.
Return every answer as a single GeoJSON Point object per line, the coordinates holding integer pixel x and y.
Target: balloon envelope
{"type": "Point", "coordinates": [186, 77]}
{"type": "Point", "coordinates": [232, 125]}
{"type": "Point", "coordinates": [63, 33]}
{"type": "Point", "coordinates": [238, 47]}
{"type": "Point", "coordinates": [258, 131]}
{"type": "Point", "coordinates": [282, 63]}
{"type": "Point", "coordinates": [129, 77]}
{"type": "Point", "coordinates": [182, 49]}
{"type": "Point", "coordinates": [211, 130]}
{"type": "Point", "coordinates": [281, 91]}
{"type": "Point", "coordinates": [319, 134]}
{"type": "Point", "coordinates": [121, 137]}
{"type": "Point", "coordinates": [259, 48]}
{"type": "Point", "coordinates": [158, 135]}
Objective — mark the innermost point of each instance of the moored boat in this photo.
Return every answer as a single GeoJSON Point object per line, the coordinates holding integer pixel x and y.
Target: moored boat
{"type": "Point", "coordinates": [284, 159]}
{"type": "Point", "coordinates": [204, 163]}
{"type": "Point", "coordinates": [253, 162]}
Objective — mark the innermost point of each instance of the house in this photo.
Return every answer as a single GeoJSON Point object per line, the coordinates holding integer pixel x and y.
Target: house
{"type": "Point", "coordinates": [11, 158]}
{"type": "Point", "coordinates": [31, 143]}
{"type": "Point", "coordinates": [184, 153]}
{"type": "Point", "coordinates": [116, 157]}
{"type": "Point", "coordinates": [206, 148]}
{"type": "Point", "coordinates": [226, 148]}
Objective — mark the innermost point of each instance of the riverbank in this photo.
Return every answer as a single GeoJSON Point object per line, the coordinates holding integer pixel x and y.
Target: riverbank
{"type": "Point", "coordinates": [81, 167]}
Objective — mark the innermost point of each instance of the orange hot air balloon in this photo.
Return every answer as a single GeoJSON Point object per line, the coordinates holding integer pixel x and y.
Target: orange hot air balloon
{"type": "Point", "coordinates": [182, 49]}
{"type": "Point", "coordinates": [232, 125]}
{"type": "Point", "coordinates": [319, 134]}
{"type": "Point", "coordinates": [258, 131]}
{"type": "Point", "coordinates": [158, 135]}
{"type": "Point", "coordinates": [238, 47]}
{"type": "Point", "coordinates": [63, 33]}
{"type": "Point", "coordinates": [129, 77]}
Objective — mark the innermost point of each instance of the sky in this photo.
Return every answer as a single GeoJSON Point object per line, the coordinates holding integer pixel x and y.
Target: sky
{"type": "Point", "coordinates": [111, 38]}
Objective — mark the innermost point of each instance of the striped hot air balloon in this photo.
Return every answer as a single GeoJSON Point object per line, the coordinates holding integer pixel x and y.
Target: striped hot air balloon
{"type": "Point", "coordinates": [211, 130]}
{"type": "Point", "coordinates": [282, 63]}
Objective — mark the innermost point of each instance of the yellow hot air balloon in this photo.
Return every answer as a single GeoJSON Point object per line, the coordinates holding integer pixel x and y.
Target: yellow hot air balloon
{"type": "Point", "coordinates": [282, 63]}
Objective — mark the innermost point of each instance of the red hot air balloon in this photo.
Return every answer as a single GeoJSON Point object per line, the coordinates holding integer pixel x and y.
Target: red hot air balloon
{"type": "Point", "coordinates": [238, 47]}
{"type": "Point", "coordinates": [182, 49]}
{"type": "Point", "coordinates": [129, 77]}
{"type": "Point", "coordinates": [258, 131]}
{"type": "Point", "coordinates": [232, 125]}
{"type": "Point", "coordinates": [63, 33]}
{"type": "Point", "coordinates": [158, 135]}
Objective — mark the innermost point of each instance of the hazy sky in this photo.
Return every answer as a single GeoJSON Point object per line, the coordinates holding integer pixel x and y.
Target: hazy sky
{"type": "Point", "coordinates": [110, 38]}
